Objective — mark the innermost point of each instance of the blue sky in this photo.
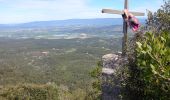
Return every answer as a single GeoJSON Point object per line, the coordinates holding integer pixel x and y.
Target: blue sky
{"type": "Point", "coordinates": [19, 11]}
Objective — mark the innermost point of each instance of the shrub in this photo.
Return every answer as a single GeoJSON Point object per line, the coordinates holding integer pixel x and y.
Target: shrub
{"type": "Point", "coordinates": [153, 62]}
{"type": "Point", "coordinates": [30, 92]}
{"type": "Point", "coordinates": [96, 85]}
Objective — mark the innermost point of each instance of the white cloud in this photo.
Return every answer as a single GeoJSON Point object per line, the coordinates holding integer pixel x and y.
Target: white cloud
{"type": "Point", "coordinates": [36, 10]}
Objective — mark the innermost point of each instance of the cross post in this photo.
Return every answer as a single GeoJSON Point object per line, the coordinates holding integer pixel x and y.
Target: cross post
{"type": "Point", "coordinates": [125, 25]}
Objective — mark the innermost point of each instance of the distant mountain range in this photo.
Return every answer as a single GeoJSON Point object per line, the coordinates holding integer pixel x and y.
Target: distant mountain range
{"type": "Point", "coordinates": [69, 22]}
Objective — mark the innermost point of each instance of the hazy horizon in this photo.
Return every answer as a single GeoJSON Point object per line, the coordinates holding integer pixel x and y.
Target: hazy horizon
{"type": "Point", "coordinates": [62, 20]}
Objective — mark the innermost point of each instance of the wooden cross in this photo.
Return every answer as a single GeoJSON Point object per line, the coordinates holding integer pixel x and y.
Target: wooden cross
{"type": "Point", "coordinates": [125, 25]}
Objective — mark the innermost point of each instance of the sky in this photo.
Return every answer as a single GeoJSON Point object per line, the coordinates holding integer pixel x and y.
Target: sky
{"type": "Point", "coordinates": [21, 11]}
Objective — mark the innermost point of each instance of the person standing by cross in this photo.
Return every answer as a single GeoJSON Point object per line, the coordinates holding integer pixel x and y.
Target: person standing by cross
{"type": "Point", "coordinates": [129, 19]}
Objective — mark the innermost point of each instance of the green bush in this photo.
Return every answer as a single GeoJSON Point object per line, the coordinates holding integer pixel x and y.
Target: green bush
{"type": "Point", "coordinates": [45, 92]}
{"type": "Point", "coordinates": [30, 92]}
{"type": "Point", "coordinates": [96, 85]}
{"type": "Point", "coordinates": [153, 62]}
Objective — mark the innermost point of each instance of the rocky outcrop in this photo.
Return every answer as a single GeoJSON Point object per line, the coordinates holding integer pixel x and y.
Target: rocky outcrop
{"type": "Point", "coordinates": [112, 64]}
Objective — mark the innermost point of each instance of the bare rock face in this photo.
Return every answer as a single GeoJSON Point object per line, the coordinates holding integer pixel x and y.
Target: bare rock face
{"type": "Point", "coordinates": [112, 63]}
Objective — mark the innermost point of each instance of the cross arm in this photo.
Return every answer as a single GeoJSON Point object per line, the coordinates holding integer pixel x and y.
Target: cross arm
{"type": "Point", "coordinates": [110, 11]}
{"type": "Point", "coordinates": [120, 12]}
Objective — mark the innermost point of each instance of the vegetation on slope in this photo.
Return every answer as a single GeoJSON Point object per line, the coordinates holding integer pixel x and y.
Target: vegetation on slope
{"type": "Point", "coordinates": [64, 62]}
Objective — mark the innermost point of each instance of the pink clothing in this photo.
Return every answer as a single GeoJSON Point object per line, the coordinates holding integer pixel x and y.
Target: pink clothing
{"type": "Point", "coordinates": [131, 20]}
{"type": "Point", "coordinates": [134, 23]}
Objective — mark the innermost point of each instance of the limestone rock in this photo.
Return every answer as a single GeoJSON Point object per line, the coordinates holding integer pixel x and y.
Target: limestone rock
{"type": "Point", "coordinates": [111, 64]}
